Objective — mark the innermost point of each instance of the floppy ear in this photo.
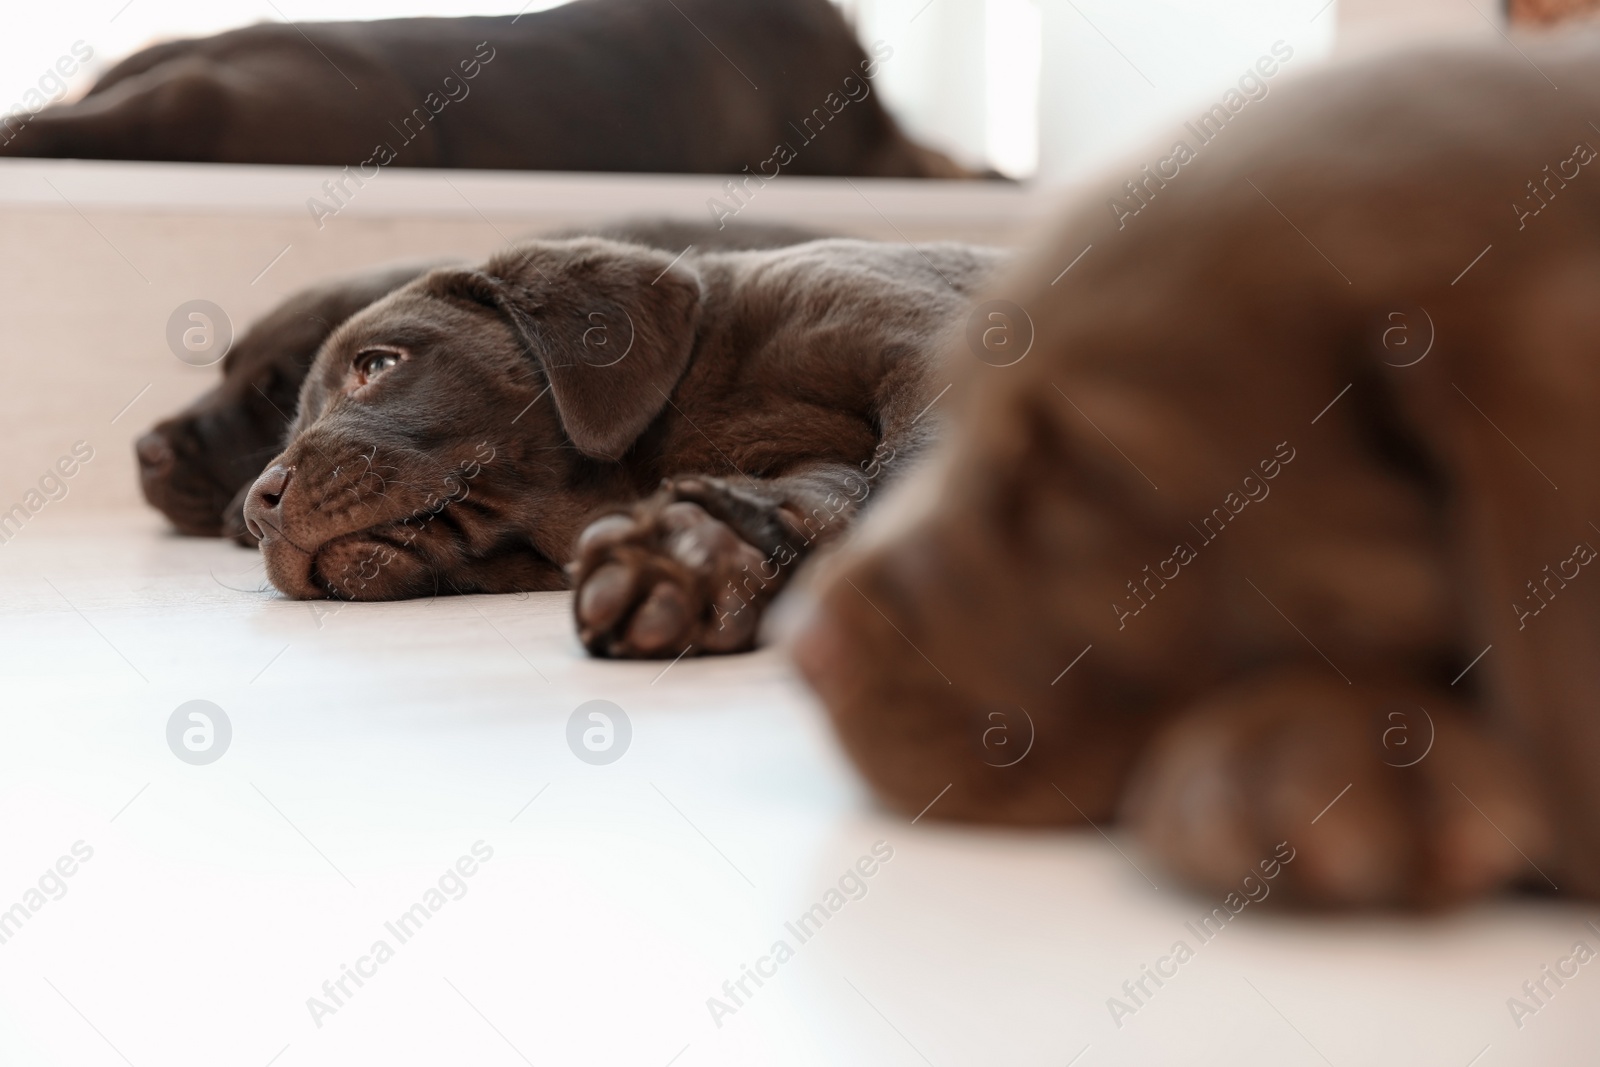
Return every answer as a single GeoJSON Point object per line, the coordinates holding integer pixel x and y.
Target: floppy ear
{"type": "Point", "coordinates": [612, 327]}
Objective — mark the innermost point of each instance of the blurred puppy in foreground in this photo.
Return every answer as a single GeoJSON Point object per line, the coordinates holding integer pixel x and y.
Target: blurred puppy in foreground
{"type": "Point", "coordinates": [1283, 530]}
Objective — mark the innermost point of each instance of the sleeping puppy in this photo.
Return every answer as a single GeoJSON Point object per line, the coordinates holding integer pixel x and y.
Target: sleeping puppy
{"type": "Point", "coordinates": [1262, 546]}
{"type": "Point", "coordinates": [723, 414]}
{"type": "Point", "coordinates": [686, 86]}
{"type": "Point", "coordinates": [195, 466]}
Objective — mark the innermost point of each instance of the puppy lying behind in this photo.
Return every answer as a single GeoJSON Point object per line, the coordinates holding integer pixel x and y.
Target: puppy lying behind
{"type": "Point", "coordinates": [1284, 531]}
{"type": "Point", "coordinates": [731, 411]}
{"type": "Point", "coordinates": [597, 85]}
{"type": "Point", "coordinates": [195, 466]}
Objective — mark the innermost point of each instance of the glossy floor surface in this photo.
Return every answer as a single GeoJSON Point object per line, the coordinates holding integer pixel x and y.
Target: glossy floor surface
{"type": "Point", "coordinates": [402, 800]}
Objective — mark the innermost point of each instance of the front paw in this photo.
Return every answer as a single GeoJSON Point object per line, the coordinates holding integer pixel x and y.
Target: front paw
{"type": "Point", "coordinates": [1385, 796]}
{"type": "Point", "coordinates": [669, 577]}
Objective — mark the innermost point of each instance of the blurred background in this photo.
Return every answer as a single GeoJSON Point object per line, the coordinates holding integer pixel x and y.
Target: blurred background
{"type": "Point", "coordinates": [1034, 88]}
{"type": "Point", "coordinates": [1052, 92]}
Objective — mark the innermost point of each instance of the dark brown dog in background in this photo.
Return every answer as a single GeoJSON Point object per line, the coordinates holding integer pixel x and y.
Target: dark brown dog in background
{"type": "Point", "coordinates": [709, 418]}
{"type": "Point", "coordinates": [1263, 542]}
{"type": "Point", "coordinates": [596, 85]}
{"type": "Point", "coordinates": [195, 466]}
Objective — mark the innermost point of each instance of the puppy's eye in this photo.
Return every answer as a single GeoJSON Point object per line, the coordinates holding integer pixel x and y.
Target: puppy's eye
{"type": "Point", "coordinates": [371, 362]}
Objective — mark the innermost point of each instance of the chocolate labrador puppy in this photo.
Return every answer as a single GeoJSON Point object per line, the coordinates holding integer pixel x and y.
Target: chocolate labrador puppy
{"type": "Point", "coordinates": [700, 86]}
{"type": "Point", "coordinates": [1280, 535]}
{"type": "Point", "coordinates": [731, 411]}
{"type": "Point", "coordinates": [195, 466]}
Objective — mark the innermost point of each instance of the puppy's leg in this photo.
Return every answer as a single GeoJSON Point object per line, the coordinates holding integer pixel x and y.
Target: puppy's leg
{"type": "Point", "coordinates": [189, 103]}
{"type": "Point", "coordinates": [1381, 794]}
{"type": "Point", "coordinates": [173, 111]}
{"type": "Point", "coordinates": [694, 567]}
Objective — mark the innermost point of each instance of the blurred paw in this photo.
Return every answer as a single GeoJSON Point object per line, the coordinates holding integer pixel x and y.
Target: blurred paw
{"type": "Point", "coordinates": [1296, 764]}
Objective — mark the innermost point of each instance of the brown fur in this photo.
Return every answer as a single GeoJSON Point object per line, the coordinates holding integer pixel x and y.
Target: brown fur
{"type": "Point", "coordinates": [760, 396]}
{"type": "Point", "coordinates": [1548, 12]}
{"type": "Point", "coordinates": [695, 86]}
{"type": "Point", "coordinates": [1222, 705]}
{"type": "Point", "coordinates": [195, 466]}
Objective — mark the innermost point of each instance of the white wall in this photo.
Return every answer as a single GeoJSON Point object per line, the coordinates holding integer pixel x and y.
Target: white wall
{"type": "Point", "coordinates": [1372, 25]}
{"type": "Point", "coordinates": [1118, 72]}
{"type": "Point", "coordinates": [1060, 88]}
{"type": "Point", "coordinates": [964, 76]}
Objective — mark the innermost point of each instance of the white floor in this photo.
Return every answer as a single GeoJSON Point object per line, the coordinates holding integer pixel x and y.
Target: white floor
{"type": "Point", "coordinates": [373, 747]}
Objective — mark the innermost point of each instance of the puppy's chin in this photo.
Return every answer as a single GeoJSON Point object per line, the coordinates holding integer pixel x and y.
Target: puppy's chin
{"type": "Point", "coordinates": [289, 568]}
{"type": "Point", "coordinates": [353, 567]}
{"type": "Point", "coordinates": [361, 567]}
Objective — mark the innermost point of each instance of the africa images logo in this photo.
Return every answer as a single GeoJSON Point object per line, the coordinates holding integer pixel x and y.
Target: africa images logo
{"type": "Point", "coordinates": [199, 732]}
{"type": "Point", "coordinates": [599, 732]}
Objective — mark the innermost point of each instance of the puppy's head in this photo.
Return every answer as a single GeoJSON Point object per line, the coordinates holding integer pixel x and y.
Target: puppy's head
{"type": "Point", "coordinates": [194, 466]}
{"type": "Point", "coordinates": [454, 436]}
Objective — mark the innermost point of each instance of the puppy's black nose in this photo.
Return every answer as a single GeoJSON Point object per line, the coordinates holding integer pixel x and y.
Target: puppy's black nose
{"type": "Point", "coordinates": [155, 453]}
{"type": "Point", "coordinates": [263, 507]}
